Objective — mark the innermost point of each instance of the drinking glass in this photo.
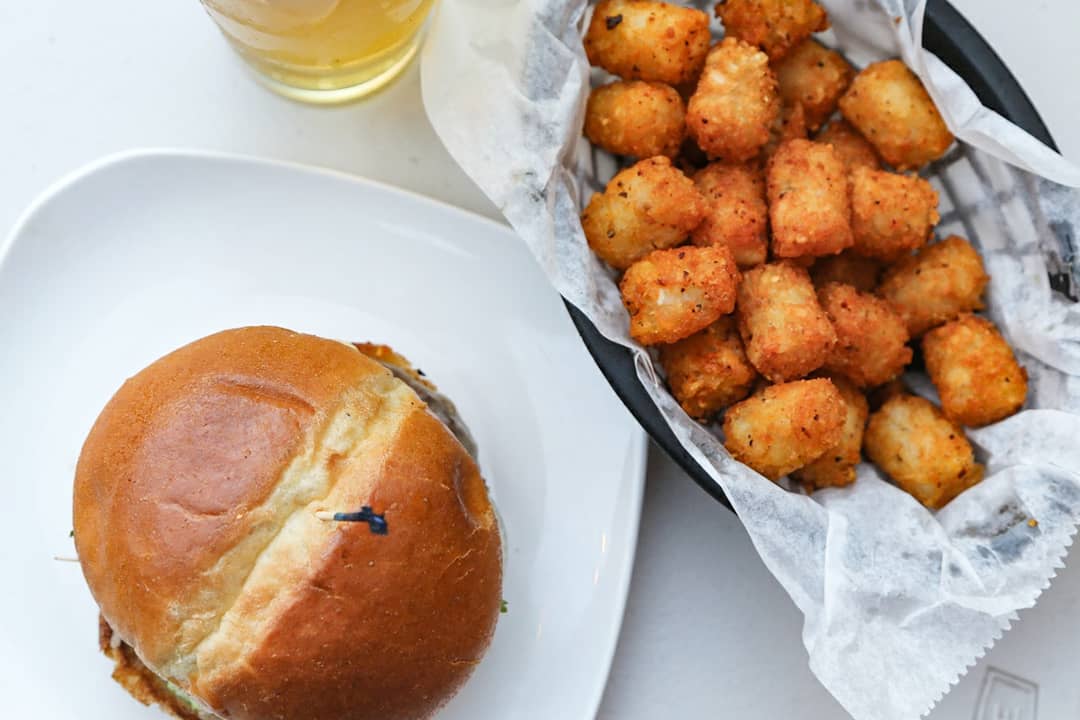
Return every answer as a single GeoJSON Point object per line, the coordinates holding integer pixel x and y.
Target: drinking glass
{"type": "Point", "coordinates": [323, 51]}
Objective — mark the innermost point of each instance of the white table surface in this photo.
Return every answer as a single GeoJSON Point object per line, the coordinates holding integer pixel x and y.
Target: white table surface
{"type": "Point", "coordinates": [708, 633]}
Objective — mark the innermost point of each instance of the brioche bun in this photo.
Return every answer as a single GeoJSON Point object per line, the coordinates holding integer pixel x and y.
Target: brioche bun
{"type": "Point", "coordinates": [201, 522]}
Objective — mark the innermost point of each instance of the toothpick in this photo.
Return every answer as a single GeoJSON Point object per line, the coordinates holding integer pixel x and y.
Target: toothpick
{"type": "Point", "coordinates": [376, 523]}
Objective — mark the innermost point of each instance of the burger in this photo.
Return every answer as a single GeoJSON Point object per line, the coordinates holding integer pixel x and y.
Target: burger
{"type": "Point", "coordinates": [277, 525]}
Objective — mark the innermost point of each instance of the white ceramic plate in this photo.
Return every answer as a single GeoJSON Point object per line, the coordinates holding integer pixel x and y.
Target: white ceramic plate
{"type": "Point", "coordinates": [141, 253]}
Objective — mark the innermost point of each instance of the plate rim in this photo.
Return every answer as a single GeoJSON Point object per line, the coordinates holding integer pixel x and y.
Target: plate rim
{"type": "Point", "coordinates": [120, 157]}
{"type": "Point", "coordinates": [636, 459]}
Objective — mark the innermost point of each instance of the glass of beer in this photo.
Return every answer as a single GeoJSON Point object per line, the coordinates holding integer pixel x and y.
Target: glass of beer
{"type": "Point", "coordinates": [323, 51]}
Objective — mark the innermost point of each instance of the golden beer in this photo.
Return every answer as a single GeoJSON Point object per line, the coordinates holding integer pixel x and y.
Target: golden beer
{"type": "Point", "coordinates": [323, 51]}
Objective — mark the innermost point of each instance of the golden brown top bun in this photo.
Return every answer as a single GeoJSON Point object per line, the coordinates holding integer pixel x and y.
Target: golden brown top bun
{"type": "Point", "coordinates": [196, 501]}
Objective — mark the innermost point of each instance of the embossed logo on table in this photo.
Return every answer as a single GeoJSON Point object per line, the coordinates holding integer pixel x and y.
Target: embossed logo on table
{"type": "Point", "coordinates": [1007, 697]}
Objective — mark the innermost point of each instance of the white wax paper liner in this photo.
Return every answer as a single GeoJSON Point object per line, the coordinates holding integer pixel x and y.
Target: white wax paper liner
{"type": "Point", "coordinates": [898, 601]}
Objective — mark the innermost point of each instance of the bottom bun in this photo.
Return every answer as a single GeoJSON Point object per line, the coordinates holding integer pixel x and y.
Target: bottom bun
{"type": "Point", "coordinates": [141, 682]}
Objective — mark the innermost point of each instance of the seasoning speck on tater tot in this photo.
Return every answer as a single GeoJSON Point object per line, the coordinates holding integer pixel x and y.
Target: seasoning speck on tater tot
{"type": "Point", "coordinates": [644, 40]}
{"type": "Point", "coordinates": [776, 26]}
{"type": "Point", "coordinates": [636, 118]}
{"type": "Point", "coordinates": [786, 426]}
{"type": "Point", "coordinates": [924, 452]}
{"type": "Point", "coordinates": [889, 105]}
{"type": "Point", "coordinates": [871, 338]}
{"type": "Point", "coordinates": [974, 370]}
{"type": "Point", "coordinates": [736, 214]}
{"type": "Point", "coordinates": [671, 294]}
{"type": "Point", "coordinates": [735, 103]}
{"type": "Point", "coordinates": [891, 214]}
{"type": "Point", "coordinates": [836, 467]}
{"type": "Point", "coordinates": [809, 207]}
{"type": "Point", "coordinates": [649, 206]}
{"type": "Point", "coordinates": [935, 285]}
{"type": "Point", "coordinates": [708, 371]}
{"type": "Point", "coordinates": [853, 148]}
{"type": "Point", "coordinates": [815, 77]}
{"type": "Point", "coordinates": [849, 268]}
{"type": "Point", "coordinates": [786, 333]}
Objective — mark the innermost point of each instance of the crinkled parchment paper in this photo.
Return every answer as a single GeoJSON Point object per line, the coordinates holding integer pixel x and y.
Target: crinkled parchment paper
{"type": "Point", "coordinates": [898, 601]}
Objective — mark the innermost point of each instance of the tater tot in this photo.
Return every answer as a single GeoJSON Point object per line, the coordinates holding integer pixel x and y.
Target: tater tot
{"type": "Point", "coordinates": [837, 466]}
{"type": "Point", "coordinates": [892, 109]}
{"type": "Point", "coordinates": [776, 26]}
{"type": "Point", "coordinates": [708, 371]}
{"type": "Point", "coordinates": [646, 207]}
{"type": "Point", "coordinates": [736, 214]}
{"type": "Point", "coordinates": [974, 370]}
{"type": "Point", "coordinates": [671, 294]}
{"type": "Point", "coordinates": [871, 338]}
{"type": "Point", "coordinates": [639, 119]}
{"type": "Point", "coordinates": [853, 148]}
{"type": "Point", "coordinates": [921, 450]}
{"type": "Point", "coordinates": [809, 208]}
{"type": "Point", "coordinates": [815, 77]}
{"type": "Point", "coordinates": [786, 426]}
{"type": "Point", "coordinates": [735, 104]}
{"type": "Point", "coordinates": [883, 393]}
{"type": "Point", "coordinates": [849, 268]}
{"type": "Point", "coordinates": [786, 333]}
{"type": "Point", "coordinates": [935, 285]}
{"type": "Point", "coordinates": [644, 40]}
{"type": "Point", "coordinates": [791, 124]}
{"type": "Point", "coordinates": [891, 214]}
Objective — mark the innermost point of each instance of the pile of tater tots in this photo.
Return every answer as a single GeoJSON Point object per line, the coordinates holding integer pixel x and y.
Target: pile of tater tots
{"type": "Point", "coordinates": [774, 244]}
